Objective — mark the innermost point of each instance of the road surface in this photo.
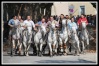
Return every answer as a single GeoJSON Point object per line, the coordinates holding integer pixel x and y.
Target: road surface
{"type": "Point", "coordinates": [89, 58]}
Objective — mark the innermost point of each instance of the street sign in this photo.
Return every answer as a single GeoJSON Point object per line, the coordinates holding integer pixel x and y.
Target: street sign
{"type": "Point", "coordinates": [71, 9]}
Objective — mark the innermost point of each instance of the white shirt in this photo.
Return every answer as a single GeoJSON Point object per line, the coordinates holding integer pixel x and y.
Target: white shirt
{"type": "Point", "coordinates": [29, 25]}
{"type": "Point", "coordinates": [21, 25]}
{"type": "Point", "coordinates": [16, 22]}
{"type": "Point", "coordinates": [68, 21]}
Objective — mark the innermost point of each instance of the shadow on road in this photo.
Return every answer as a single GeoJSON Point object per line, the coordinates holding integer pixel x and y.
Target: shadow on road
{"type": "Point", "coordinates": [64, 61]}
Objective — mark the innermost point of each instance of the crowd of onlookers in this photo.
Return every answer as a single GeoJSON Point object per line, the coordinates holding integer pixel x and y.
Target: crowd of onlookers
{"type": "Point", "coordinates": [91, 18]}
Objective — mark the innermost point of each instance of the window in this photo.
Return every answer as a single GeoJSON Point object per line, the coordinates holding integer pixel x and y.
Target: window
{"type": "Point", "coordinates": [82, 10]}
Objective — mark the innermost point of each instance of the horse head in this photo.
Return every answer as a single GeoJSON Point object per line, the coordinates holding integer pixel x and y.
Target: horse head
{"type": "Point", "coordinates": [43, 29]}
{"type": "Point", "coordinates": [73, 30]}
{"type": "Point", "coordinates": [64, 22]}
{"type": "Point", "coordinates": [83, 25]}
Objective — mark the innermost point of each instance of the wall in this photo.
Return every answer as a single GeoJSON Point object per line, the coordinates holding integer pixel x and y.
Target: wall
{"type": "Point", "coordinates": [62, 8]}
{"type": "Point", "coordinates": [89, 9]}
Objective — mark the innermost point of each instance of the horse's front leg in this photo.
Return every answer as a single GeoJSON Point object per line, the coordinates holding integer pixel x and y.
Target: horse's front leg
{"type": "Point", "coordinates": [60, 45]}
{"type": "Point", "coordinates": [17, 46]}
{"type": "Point", "coordinates": [28, 46]}
{"type": "Point", "coordinates": [24, 44]}
{"type": "Point", "coordinates": [20, 46]}
{"type": "Point", "coordinates": [50, 48]}
{"type": "Point", "coordinates": [12, 47]}
{"type": "Point", "coordinates": [87, 46]}
{"type": "Point", "coordinates": [64, 45]}
{"type": "Point", "coordinates": [37, 49]}
{"type": "Point", "coordinates": [54, 47]}
{"type": "Point", "coordinates": [78, 48]}
{"type": "Point", "coordinates": [41, 49]}
{"type": "Point", "coordinates": [83, 47]}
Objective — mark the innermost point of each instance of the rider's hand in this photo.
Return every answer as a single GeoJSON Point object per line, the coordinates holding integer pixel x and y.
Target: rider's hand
{"type": "Point", "coordinates": [24, 26]}
{"type": "Point", "coordinates": [12, 25]}
{"type": "Point", "coordinates": [35, 29]}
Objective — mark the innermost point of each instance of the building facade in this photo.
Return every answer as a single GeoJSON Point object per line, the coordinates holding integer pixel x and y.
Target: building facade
{"type": "Point", "coordinates": [74, 8]}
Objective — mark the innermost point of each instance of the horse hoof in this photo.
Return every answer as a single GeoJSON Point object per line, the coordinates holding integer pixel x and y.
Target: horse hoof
{"type": "Point", "coordinates": [11, 55]}
{"type": "Point", "coordinates": [65, 54]}
{"type": "Point", "coordinates": [27, 55]}
{"type": "Point", "coordinates": [51, 56]}
{"type": "Point", "coordinates": [24, 53]}
{"type": "Point", "coordinates": [19, 54]}
{"type": "Point", "coordinates": [74, 54]}
{"type": "Point", "coordinates": [40, 55]}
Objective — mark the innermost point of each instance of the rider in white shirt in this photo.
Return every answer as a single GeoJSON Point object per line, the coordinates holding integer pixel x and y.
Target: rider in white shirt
{"type": "Point", "coordinates": [29, 24]}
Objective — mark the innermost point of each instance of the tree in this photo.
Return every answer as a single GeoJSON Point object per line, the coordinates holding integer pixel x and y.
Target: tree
{"type": "Point", "coordinates": [24, 9]}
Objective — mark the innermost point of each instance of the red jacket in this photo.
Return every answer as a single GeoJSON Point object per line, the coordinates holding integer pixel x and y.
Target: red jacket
{"type": "Point", "coordinates": [81, 20]}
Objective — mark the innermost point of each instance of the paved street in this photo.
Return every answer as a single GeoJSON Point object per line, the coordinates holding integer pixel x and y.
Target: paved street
{"type": "Point", "coordinates": [83, 58]}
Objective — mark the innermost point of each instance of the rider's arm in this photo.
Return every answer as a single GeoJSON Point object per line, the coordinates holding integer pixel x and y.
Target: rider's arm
{"type": "Point", "coordinates": [76, 26]}
{"type": "Point", "coordinates": [79, 20]}
{"type": "Point", "coordinates": [86, 21]}
{"type": "Point", "coordinates": [9, 23]}
{"type": "Point", "coordinates": [37, 24]}
{"type": "Point", "coordinates": [25, 25]}
{"type": "Point", "coordinates": [33, 25]}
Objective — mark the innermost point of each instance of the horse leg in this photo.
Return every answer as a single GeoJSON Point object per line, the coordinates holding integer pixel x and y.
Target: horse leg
{"type": "Point", "coordinates": [34, 49]}
{"type": "Point", "coordinates": [78, 48]}
{"type": "Point", "coordinates": [17, 46]}
{"type": "Point", "coordinates": [75, 48]}
{"type": "Point", "coordinates": [65, 49]}
{"type": "Point", "coordinates": [20, 48]}
{"type": "Point", "coordinates": [64, 46]}
{"type": "Point", "coordinates": [13, 46]}
{"type": "Point", "coordinates": [24, 43]}
{"type": "Point", "coordinates": [49, 44]}
{"type": "Point", "coordinates": [41, 49]}
{"type": "Point", "coordinates": [83, 47]}
{"type": "Point", "coordinates": [60, 45]}
{"type": "Point", "coordinates": [27, 49]}
{"type": "Point", "coordinates": [87, 43]}
{"type": "Point", "coordinates": [54, 47]}
{"type": "Point", "coordinates": [37, 49]}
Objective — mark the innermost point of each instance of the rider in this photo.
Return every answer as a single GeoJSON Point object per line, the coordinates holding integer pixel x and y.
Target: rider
{"type": "Point", "coordinates": [68, 19]}
{"type": "Point", "coordinates": [22, 24]}
{"type": "Point", "coordinates": [52, 21]}
{"type": "Point", "coordinates": [29, 24]}
{"type": "Point", "coordinates": [12, 22]}
{"type": "Point", "coordinates": [84, 19]}
{"type": "Point", "coordinates": [60, 21]}
{"type": "Point", "coordinates": [72, 24]}
{"type": "Point", "coordinates": [42, 22]}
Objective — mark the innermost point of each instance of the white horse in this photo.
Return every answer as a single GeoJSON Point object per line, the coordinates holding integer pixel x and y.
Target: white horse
{"type": "Point", "coordinates": [63, 37]}
{"type": "Point", "coordinates": [15, 38]}
{"type": "Point", "coordinates": [84, 37]}
{"type": "Point", "coordinates": [39, 39]}
{"type": "Point", "coordinates": [27, 40]}
{"type": "Point", "coordinates": [52, 39]}
{"type": "Point", "coordinates": [74, 40]}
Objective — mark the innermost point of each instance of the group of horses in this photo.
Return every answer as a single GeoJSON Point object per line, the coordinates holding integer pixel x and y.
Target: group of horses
{"type": "Point", "coordinates": [58, 41]}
